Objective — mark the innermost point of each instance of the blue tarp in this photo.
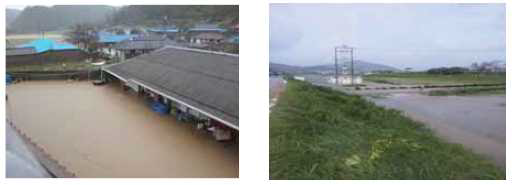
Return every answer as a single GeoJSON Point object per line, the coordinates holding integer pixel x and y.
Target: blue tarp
{"type": "Point", "coordinates": [159, 107]}
{"type": "Point", "coordinates": [8, 79]}
{"type": "Point", "coordinates": [42, 45]}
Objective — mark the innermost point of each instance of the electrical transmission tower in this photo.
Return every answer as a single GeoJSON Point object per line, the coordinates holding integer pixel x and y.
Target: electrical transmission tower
{"type": "Point", "coordinates": [338, 51]}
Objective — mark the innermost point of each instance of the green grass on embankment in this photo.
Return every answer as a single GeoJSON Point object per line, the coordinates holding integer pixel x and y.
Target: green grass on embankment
{"type": "Point", "coordinates": [318, 133]}
{"type": "Point", "coordinates": [436, 79]}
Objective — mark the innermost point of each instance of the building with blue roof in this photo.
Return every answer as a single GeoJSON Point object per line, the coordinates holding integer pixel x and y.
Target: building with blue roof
{"type": "Point", "coordinates": [44, 45]}
{"type": "Point", "coordinates": [110, 38]}
{"type": "Point", "coordinates": [42, 51]}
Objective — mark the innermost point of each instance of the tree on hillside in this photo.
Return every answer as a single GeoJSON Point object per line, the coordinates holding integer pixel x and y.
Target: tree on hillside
{"type": "Point", "coordinates": [35, 19]}
{"type": "Point", "coordinates": [84, 36]}
{"type": "Point", "coordinates": [181, 15]}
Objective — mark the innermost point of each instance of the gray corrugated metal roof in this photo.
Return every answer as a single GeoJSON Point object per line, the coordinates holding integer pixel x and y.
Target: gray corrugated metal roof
{"type": "Point", "coordinates": [142, 44]}
{"type": "Point", "coordinates": [20, 51]}
{"type": "Point", "coordinates": [149, 37]}
{"type": "Point", "coordinates": [203, 79]}
{"type": "Point", "coordinates": [210, 35]}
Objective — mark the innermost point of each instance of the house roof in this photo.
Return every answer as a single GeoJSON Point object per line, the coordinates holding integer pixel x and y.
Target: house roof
{"type": "Point", "coordinates": [207, 27]}
{"type": "Point", "coordinates": [172, 29]}
{"type": "Point", "coordinates": [148, 37]}
{"type": "Point", "coordinates": [142, 44]}
{"type": "Point", "coordinates": [20, 51]}
{"type": "Point", "coordinates": [43, 45]}
{"type": "Point", "coordinates": [197, 27]}
{"type": "Point", "coordinates": [206, 81]}
{"type": "Point", "coordinates": [209, 35]}
{"type": "Point", "coordinates": [106, 37]}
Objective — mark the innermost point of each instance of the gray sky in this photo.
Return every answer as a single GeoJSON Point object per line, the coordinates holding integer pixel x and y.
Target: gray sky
{"type": "Point", "coordinates": [19, 7]}
{"type": "Point", "coordinates": [420, 36]}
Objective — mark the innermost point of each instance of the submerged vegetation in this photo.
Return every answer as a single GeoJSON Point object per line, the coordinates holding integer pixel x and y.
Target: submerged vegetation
{"type": "Point", "coordinates": [437, 79]}
{"type": "Point", "coordinates": [469, 91]}
{"type": "Point", "coordinates": [319, 133]}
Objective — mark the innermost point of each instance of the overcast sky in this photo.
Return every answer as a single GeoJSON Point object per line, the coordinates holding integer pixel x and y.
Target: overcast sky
{"type": "Point", "coordinates": [420, 36]}
{"type": "Point", "coordinates": [19, 7]}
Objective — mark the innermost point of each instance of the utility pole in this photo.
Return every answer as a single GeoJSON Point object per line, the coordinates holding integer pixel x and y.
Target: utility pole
{"type": "Point", "coordinates": [352, 66]}
{"type": "Point", "coordinates": [338, 50]}
{"type": "Point", "coordinates": [336, 65]}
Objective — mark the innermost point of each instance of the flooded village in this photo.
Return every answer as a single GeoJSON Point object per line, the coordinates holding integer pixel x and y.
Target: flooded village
{"type": "Point", "coordinates": [136, 93]}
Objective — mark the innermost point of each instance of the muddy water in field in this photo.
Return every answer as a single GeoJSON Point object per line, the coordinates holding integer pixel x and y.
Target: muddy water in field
{"type": "Point", "coordinates": [477, 122]}
{"type": "Point", "coordinates": [101, 131]}
{"type": "Point", "coordinates": [276, 84]}
{"type": "Point", "coordinates": [276, 87]}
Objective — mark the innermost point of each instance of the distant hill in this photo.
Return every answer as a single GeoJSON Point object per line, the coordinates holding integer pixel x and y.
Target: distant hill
{"type": "Point", "coordinates": [359, 66]}
{"type": "Point", "coordinates": [179, 15]}
{"type": "Point", "coordinates": [42, 18]}
{"type": "Point", "coordinates": [10, 15]}
{"type": "Point", "coordinates": [283, 68]}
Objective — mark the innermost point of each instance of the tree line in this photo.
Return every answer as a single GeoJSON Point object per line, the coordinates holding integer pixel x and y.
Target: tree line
{"type": "Point", "coordinates": [36, 19]}
{"type": "Point", "coordinates": [483, 67]}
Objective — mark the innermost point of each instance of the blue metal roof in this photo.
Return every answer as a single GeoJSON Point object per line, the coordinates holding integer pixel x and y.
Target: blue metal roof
{"type": "Point", "coordinates": [234, 39]}
{"type": "Point", "coordinates": [197, 27]}
{"type": "Point", "coordinates": [105, 37]}
{"type": "Point", "coordinates": [169, 30]}
{"type": "Point", "coordinates": [42, 45]}
{"type": "Point", "coordinates": [207, 29]}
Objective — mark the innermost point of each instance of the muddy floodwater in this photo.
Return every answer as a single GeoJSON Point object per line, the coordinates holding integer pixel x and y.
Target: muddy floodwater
{"type": "Point", "coordinates": [276, 86]}
{"type": "Point", "coordinates": [101, 131]}
{"type": "Point", "coordinates": [477, 122]}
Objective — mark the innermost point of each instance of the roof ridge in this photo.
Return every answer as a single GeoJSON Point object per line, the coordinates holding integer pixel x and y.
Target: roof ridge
{"type": "Point", "coordinates": [197, 50]}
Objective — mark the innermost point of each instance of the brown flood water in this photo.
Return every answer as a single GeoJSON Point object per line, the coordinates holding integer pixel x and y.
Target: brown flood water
{"type": "Point", "coordinates": [101, 131]}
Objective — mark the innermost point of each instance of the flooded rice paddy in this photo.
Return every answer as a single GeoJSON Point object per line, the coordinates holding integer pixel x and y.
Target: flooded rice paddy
{"type": "Point", "coordinates": [102, 131]}
{"type": "Point", "coordinates": [276, 86]}
{"type": "Point", "coordinates": [477, 122]}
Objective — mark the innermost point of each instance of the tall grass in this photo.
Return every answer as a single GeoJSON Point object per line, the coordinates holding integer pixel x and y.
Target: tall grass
{"type": "Point", "coordinates": [318, 133]}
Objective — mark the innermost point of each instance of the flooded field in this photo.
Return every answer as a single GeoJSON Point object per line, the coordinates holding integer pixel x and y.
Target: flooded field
{"type": "Point", "coordinates": [101, 131]}
{"type": "Point", "coordinates": [477, 122]}
{"type": "Point", "coordinates": [276, 86]}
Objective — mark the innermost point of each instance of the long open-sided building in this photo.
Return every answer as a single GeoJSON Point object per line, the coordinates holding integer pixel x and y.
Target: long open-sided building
{"type": "Point", "coordinates": [198, 82]}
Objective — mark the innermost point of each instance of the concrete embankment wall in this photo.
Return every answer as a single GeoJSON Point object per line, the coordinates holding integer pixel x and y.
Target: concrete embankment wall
{"type": "Point", "coordinates": [57, 75]}
{"type": "Point", "coordinates": [46, 57]}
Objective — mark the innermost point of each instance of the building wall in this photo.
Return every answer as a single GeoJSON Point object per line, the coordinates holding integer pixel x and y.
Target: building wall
{"type": "Point", "coordinates": [23, 60]}
{"type": "Point", "coordinates": [40, 58]}
{"type": "Point", "coordinates": [346, 80]}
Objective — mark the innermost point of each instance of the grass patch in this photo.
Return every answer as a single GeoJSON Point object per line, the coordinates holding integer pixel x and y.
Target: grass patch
{"type": "Point", "coordinates": [436, 79]}
{"type": "Point", "coordinates": [469, 91]}
{"type": "Point", "coordinates": [319, 133]}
